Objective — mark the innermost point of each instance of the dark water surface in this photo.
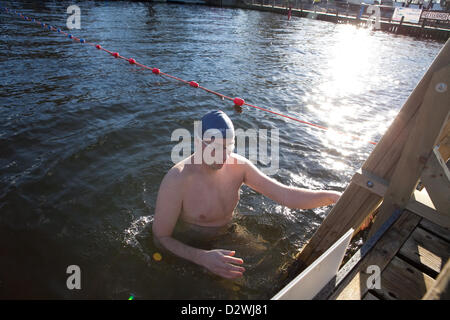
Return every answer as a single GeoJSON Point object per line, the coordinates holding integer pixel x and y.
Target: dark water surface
{"type": "Point", "coordinates": [85, 139]}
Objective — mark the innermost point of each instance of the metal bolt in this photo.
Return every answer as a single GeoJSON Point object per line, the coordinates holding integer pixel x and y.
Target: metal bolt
{"type": "Point", "coordinates": [370, 184]}
{"type": "Point", "coordinates": [441, 87]}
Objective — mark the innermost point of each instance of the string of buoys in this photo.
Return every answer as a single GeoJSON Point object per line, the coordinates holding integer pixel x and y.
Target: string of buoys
{"type": "Point", "coordinates": [238, 102]}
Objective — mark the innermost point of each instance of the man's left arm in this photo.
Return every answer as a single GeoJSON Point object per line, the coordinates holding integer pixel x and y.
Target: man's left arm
{"type": "Point", "coordinates": [292, 197]}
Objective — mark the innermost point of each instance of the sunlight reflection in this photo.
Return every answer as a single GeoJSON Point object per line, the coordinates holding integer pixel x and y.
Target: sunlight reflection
{"type": "Point", "coordinates": [424, 256]}
{"type": "Point", "coordinates": [334, 165]}
{"type": "Point", "coordinates": [351, 58]}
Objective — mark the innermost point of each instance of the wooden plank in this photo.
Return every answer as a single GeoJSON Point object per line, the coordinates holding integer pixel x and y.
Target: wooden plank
{"type": "Point", "coordinates": [426, 251]}
{"type": "Point", "coordinates": [401, 281]}
{"type": "Point", "coordinates": [432, 116]}
{"type": "Point", "coordinates": [410, 107]}
{"type": "Point", "coordinates": [444, 149]}
{"type": "Point", "coordinates": [354, 286]}
{"type": "Point", "coordinates": [423, 197]}
{"type": "Point", "coordinates": [357, 257]}
{"type": "Point", "coordinates": [357, 203]}
{"type": "Point", "coordinates": [351, 210]}
{"type": "Point", "coordinates": [444, 233]}
{"type": "Point", "coordinates": [370, 182]}
{"type": "Point", "coordinates": [426, 212]}
{"type": "Point", "coordinates": [388, 157]}
{"type": "Point", "coordinates": [379, 186]}
{"type": "Point", "coordinates": [336, 223]}
{"type": "Point", "coordinates": [444, 143]}
{"type": "Point", "coordinates": [370, 296]}
{"type": "Point", "coordinates": [353, 200]}
{"type": "Point", "coordinates": [445, 133]}
{"type": "Point", "coordinates": [441, 288]}
{"type": "Point", "coordinates": [436, 179]}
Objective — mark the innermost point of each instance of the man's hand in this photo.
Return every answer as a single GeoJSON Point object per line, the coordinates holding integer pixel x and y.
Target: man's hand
{"type": "Point", "coordinates": [221, 262]}
{"type": "Point", "coordinates": [291, 197]}
{"type": "Point", "coordinates": [334, 196]}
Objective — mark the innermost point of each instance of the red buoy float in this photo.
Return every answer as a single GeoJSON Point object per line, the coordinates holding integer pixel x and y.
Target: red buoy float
{"type": "Point", "coordinates": [238, 103]}
{"type": "Point", "coordinates": [193, 84]}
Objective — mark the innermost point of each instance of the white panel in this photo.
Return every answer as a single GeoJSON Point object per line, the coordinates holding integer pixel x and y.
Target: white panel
{"type": "Point", "coordinates": [309, 283]}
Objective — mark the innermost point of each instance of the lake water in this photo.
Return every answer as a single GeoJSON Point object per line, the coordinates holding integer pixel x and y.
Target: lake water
{"type": "Point", "coordinates": [85, 138]}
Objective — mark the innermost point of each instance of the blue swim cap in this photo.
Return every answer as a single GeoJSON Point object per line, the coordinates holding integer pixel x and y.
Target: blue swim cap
{"type": "Point", "coordinates": [218, 120]}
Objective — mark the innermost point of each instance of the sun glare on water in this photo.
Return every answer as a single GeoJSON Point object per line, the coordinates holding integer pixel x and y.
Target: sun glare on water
{"type": "Point", "coordinates": [348, 74]}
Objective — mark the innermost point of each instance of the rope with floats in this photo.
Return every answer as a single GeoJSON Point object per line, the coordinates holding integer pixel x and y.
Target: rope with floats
{"type": "Point", "coordinates": [238, 102]}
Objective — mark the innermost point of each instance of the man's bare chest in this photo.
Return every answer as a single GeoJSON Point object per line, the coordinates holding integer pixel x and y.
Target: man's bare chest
{"type": "Point", "coordinates": [210, 201]}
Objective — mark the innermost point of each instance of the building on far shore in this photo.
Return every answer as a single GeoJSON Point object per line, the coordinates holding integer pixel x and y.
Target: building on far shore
{"type": "Point", "coordinates": [435, 5]}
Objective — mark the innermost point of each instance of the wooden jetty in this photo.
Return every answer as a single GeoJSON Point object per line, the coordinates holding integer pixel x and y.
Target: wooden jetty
{"type": "Point", "coordinates": [334, 14]}
{"type": "Point", "coordinates": [409, 239]}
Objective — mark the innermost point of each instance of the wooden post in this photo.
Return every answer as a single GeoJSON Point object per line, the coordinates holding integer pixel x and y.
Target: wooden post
{"type": "Point", "coordinates": [358, 17]}
{"type": "Point", "coordinates": [357, 202]}
{"type": "Point", "coordinates": [444, 143]}
{"type": "Point", "coordinates": [431, 118]}
{"type": "Point", "coordinates": [398, 28]}
{"type": "Point", "coordinates": [436, 179]}
{"type": "Point", "coordinates": [353, 285]}
{"type": "Point", "coordinates": [423, 27]}
{"type": "Point", "coordinates": [441, 288]}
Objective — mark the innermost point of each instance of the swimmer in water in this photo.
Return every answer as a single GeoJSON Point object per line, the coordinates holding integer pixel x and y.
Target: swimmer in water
{"type": "Point", "coordinates": [202, 191]}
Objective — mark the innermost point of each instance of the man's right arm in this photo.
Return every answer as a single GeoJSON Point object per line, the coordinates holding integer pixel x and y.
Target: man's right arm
{"type": "Point", "coordinates": [168, 209]}
{"type": "Point", "coordinates": [167, 212]}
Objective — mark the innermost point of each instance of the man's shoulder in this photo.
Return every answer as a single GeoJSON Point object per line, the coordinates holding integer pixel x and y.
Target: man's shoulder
{"type": "Point", "coordinates": [238, 159]}
{"type": "Point", "coordinates": [173, 179]}
{"type": "Point", "coordinates": [179, 171]}
{"type": "Point", "coordinates": [239, 162]}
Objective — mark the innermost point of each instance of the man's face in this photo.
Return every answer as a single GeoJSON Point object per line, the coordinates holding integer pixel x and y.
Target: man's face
{"type": "Point", "coordinates": [217, 151]}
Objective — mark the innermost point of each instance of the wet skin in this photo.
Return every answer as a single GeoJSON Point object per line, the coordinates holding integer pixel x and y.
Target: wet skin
{"type": "Point", "coordinates": [205, 195]}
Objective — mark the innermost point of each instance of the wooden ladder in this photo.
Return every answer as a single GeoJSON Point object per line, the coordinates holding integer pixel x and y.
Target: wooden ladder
{"type": "Point", "coordinates": [415, 147]}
